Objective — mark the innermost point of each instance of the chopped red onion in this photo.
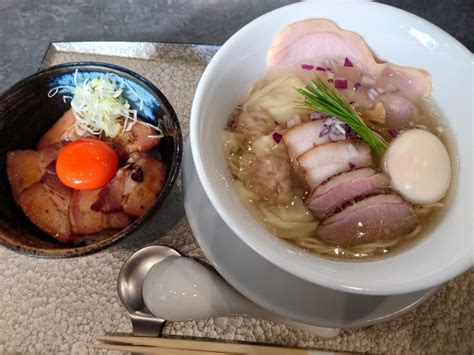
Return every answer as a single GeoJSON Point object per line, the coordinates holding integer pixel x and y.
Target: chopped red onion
{"type": "Point", "coordinates": [277, 137]}
{"type": "Point", "coordinates": [340, 128]}
{"type": "Point", "coordinates": [393, 132]}
{"type": "Point", "coordinates": [320, 69]}
{"type": "Point", "coordinates": [348, 63]}
{"type": "Point", "coordinates": [329, 69]}
{"type": "Point", "coordinates": [340, 84]}
{"type": "Point", "coordinates": [330, 81]}
{"type": "Point", "coordinates": [351, 165]}
{"type": "Point", "coordinates": [307, 67]}
{"type": "Point", "coordinates": [350, 134]}
{"type": "Point", "coordinates": [328, 121]}
{"type": "Point", "coordinates": [324, 132]}
{"type": "Point", "coordinates": [367, 80]}
{"type": "Point", "coordinates": [357, 86]}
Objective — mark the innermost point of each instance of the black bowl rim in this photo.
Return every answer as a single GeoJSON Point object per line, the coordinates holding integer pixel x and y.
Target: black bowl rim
{"type": "Point", "coordinates": [173, 173]}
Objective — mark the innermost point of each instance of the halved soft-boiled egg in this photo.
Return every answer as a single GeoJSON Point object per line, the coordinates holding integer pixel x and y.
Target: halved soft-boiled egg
{"type": "Point", "coordinates": [419, 166]}
{"type": "Point", "coordinates": [86, 164]}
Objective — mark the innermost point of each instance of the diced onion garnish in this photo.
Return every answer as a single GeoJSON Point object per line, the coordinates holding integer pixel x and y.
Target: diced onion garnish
{"type": "Point", "coordinates": [100, 108]}
{"type": "Point", "coordinates": [393, 132]}
{"type": "Point", "coordinates": [307, 67]}
{"type": "Point", "coordinates": [348, 63]}
{"type": "Point", "coordinates": [340, 84]}
{"type": "Point", "coordinates": [276, 137]}
{"type": "Point", "coordinates": [320, 69]}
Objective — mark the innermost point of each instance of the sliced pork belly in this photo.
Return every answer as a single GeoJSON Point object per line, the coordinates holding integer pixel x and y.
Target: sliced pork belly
{"type": "Point", "coordinates": [324, 161]}
{"type": "Point", "coordinates": [301, 138]}
{"type": "Point", "coordinates": [62, 130]}
{"type": "Point", "coordinates": [378, 217]}
{"type": "Point", "coordinates": [134, 188]}
{"type": "Point", "coordinates": [345, 187]}
{"type": "Point", "coordinates": [110, 197]}
{"type": "Point", "coordinates": [315, 40]}
{"type": "Point", "coordinates": [49, 153]}
{"type": "Point", "coordinates": [46, 204]}
{"type": "Point", "coordinates": [139, 139]}
{"type": "Point", "coordinates": [144, 180]}
{"type": "Point", "coordinates": [23, 169]}
{"type": "Point", "coordinates": [84, 220]}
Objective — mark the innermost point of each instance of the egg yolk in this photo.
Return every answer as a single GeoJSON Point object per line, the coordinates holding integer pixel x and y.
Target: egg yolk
{"type": "Point", "coordinates": [86, 164]}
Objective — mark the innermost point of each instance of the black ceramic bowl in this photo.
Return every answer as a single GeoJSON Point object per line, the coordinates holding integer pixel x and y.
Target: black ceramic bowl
{"type": "Point", "coordinates": [26, 113]}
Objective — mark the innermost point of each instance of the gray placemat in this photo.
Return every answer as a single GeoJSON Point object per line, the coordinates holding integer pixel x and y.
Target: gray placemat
{"type": "Point", "coordinates": [59, 305]}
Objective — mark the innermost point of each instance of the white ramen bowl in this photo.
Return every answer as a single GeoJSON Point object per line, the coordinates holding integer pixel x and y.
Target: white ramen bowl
{"type": "Point", "coordinates": [396, 36]}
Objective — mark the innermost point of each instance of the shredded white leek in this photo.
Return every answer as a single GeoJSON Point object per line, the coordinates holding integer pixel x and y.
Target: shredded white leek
{"type": "Point", "coordinates": [100, 108]}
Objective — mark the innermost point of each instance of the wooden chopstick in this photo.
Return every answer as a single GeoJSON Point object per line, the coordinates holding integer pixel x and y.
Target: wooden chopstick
{"type": "Point", "coordinates": [154, 350]}
{"type": "Point", "coordinates": [195, 346]}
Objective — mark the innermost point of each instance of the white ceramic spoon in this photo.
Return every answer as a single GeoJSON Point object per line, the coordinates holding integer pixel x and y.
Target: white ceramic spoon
{"type": "Point", "coordinates": [179, 289]}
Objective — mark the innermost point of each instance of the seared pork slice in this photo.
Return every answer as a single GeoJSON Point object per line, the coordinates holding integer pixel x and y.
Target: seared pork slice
{"type": "Point", "coordinates": [25, 167]}
{"type": "Point", "coordinates": [303, 137]}
{"type": "Point", "coordinates": [345, 187]}
{"type": "Point", "coordinates": [139, 139]}
{"type": "Point", "coordinates": [23, 170]}
{"type": "Point", "coordinates": [315, 40]}
{"type": "Point", "coordinates": [110, 196]}
{"type": "Point", "coordinates": [144, 180]}
{"type": "Point", "coordinates": [375, 218]}
{"type": "Point", "coordinates": [324, 161]}
{"type": "Point", "coordinates": [62, 130]}
{"type": "Point", "coordinates": [84, 220]}
{"type": "Point", "coordinates": [46, 204]}
{"type": "Point", "coordinates": [49, 153]}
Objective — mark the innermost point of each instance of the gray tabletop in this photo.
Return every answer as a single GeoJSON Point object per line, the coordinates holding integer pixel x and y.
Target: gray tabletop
{"type": "Point", "coordinates": [28, 26]}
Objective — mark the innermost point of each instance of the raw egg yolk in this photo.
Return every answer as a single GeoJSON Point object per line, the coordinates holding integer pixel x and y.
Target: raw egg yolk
{"type": "Point", "coordinates": [86, 164]}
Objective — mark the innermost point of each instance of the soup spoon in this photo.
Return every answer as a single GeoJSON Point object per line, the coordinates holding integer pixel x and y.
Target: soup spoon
{"type": "Point", "coordinates": [157, 284]}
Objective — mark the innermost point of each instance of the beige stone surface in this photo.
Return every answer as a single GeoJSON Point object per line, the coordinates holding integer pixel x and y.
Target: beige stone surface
{"type": "Point", "coordinates": [57, 306]}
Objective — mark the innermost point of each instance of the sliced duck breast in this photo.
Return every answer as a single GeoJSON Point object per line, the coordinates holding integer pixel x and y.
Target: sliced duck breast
{"type": "Point", "coordinates": [375, 218]}
{"type": "Point", "coordinates": [324, 161]}
{"type": "Point", "coordinates": [315, 40]}
{"type": "Point", "coordinates": [345, 187]}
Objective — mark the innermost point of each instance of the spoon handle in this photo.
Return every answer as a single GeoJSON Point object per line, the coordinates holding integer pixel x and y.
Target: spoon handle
{"type": "Point", "coordinates": [146, 325]}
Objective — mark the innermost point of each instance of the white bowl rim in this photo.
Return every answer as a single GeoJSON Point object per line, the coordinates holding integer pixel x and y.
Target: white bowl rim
{"type": "Point", "coordinates": [404, 287]}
